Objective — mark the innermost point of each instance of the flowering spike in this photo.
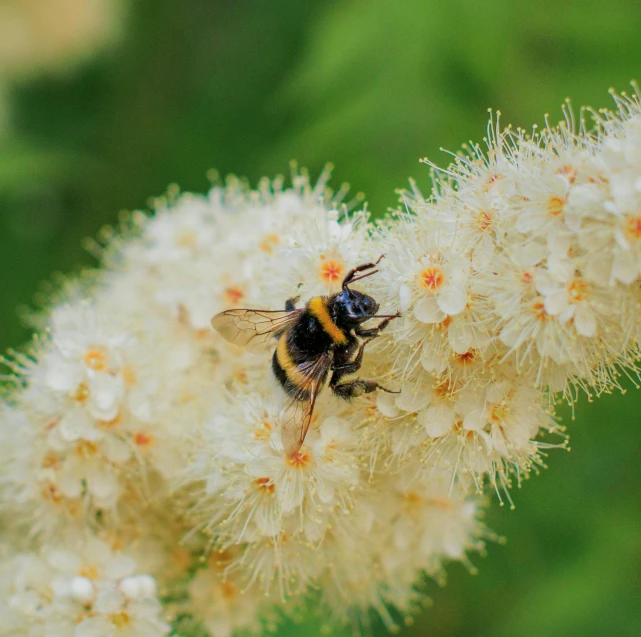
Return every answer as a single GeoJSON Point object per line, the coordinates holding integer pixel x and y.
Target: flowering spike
{"type": "Point", "coordinates": [131, 423]}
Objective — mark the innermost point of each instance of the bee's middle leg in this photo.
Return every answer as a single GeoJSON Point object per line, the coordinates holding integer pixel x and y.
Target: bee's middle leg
{"type": "Point", "coordinates": [358, 386]}
{"type": "Point", "coordinates": [290, 304]}
{"type": "Point", "coordinates": [350, 367]}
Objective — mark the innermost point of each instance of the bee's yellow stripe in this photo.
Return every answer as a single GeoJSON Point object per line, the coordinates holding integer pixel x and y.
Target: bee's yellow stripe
{"type": "Point", "coordinates": [286, 362]}
{"type": "Point", "coordinates": [318, 308]}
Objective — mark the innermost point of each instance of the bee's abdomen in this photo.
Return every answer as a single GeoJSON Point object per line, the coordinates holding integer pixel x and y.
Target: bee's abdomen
{"type": "Point", "coordinates": [286, 372]}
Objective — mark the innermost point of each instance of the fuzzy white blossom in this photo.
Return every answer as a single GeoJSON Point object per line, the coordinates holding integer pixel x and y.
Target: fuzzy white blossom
{"type": "Point", "coordinates": [130, 419]}
{"type": "Point", "coordinates": [83, 588]}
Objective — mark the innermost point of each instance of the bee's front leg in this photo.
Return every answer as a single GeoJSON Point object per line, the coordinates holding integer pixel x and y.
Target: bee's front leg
{"type": "Point", "coordinates": [373, 332]}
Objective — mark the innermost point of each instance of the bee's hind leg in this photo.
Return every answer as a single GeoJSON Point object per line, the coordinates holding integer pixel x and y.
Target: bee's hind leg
{"type": "Point", "coordinates": [357, 387]}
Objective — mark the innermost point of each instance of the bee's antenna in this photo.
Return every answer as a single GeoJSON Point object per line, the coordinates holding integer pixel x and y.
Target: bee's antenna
{"type": "Point", "coordinates": [362, 276]}
{"type": "Point", "coordinates": [351, 278]}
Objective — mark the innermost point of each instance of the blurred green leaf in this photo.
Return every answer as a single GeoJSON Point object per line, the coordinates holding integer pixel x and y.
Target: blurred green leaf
{"type": "Point", "coordinates": [383, 83]}
{"type": "Point", "coordinates": [22, 162]}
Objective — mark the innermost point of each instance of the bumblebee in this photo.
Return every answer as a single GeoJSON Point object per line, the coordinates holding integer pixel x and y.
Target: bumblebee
{"type": "Point", "coordinates": [327, 335]}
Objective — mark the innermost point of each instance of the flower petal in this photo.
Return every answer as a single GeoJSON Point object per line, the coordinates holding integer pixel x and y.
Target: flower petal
{"type": "Point", "coordinates": [437, 420]}
{"type": "Point", "coordinates": [585, 321]}
{"type": "Point", "coordinates": [427, 311]}
{"type": "Point", "coordinates": [453, 299]}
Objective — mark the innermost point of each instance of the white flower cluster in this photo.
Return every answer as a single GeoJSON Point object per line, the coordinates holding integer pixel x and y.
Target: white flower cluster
{"type": "Point", "coordinates": [132, 420]}
{"type": "Point", "coordinates": [516, 280]}
{"type": "Point", "coordinates": [82, 589]}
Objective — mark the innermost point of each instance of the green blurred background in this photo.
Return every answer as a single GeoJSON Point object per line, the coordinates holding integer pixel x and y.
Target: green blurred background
{"type": "Point", "coordinates": [371, 86]}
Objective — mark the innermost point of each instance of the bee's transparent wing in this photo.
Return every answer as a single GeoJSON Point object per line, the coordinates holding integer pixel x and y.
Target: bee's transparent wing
{"type": "Point", "coordinates": [253, 329]}
{"type": "Point", "coordinates": [297, 414]}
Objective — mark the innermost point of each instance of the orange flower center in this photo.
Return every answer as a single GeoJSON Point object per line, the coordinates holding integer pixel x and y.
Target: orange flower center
{"type": "Point", "coordinates": [218, 560]}
{"type": "Point", "coordinates": [431, 278]}
{"type": "Point", "coordinates": [50, 461]}
{"type": "Point", "coordinates": [413, 498]}
{"type": "Point", "coordinates": [299, 460]}
{"type": "Point", "coordinates": [143, 439]}
{"type": "Point", "coordinates": [568, 171]}
{"type": "Point", "coordinates": [81, 394]}
{"type": "Point", "coordinates": [492, 180]}
{"type": "Point", "coordinates": [86, 448]}
{"type": "Point", "coordinates": [484, 220]}
{"type": "Point", "coordinates": [96, 359]}
{"type": "Point", "coordinates": [555, 206]}
{"type": "Point", "coordinates": [498, 412]}
{"type": "Point", "coordinates": [466, 358]}
{"type": "Point", "coordinates": [269, 242]}
{"type": "Point", "coordinates": [633, 227]}
{"type": "Point", "coordinates": [121, 619]}
{"type": "Point", "coordinates": [538, 309]}
{"type": "Point", "coordinates": [240, 375]}
{"type": "Point", "coordinates": [233, 295]}
{"type": "Point", "coordinates": [263, 431]}
{"type": "Point", "coordinates": [527, 278]}
{"type": "Point", "coordinates": [90, 572]}
{"type": "Point", "coordinates": [444, 389]}
{"type": "Point", "coordinates": [51, 493]}
{"type": "Point", "coordinates": [445, 323]}
{"type": "Point", "coordinates": [228, 589]}
{"type": "Point", "coordinates": [265, 485]}
{"type": "Point", "coordinates": [331, 271]}
{"type": "Point", "coordinates": [578, 290]}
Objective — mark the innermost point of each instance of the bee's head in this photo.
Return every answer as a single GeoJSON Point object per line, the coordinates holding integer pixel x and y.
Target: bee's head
{"type": "Point", "coordinates": [354, 307]}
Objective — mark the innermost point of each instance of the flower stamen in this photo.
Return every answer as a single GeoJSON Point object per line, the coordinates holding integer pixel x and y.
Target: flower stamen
{"type": "Point", "coordinates": [431, 278]}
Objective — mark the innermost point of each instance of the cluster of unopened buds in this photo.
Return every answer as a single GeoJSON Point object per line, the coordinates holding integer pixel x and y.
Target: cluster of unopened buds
{"type": "Point", "coordinates": [145, 487]}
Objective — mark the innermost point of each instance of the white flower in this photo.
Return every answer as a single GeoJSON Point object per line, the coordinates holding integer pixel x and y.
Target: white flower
{"type": "Point", "coordinates": [223, 606]}
{"type": "Point", "coordinates": [177, 232]}
{"type": "Point", "coordinates": [574, 300]}
{"type": "Point", "coordinates": [540, 204]}
{"type": "Point", "coordinates": [441, 288]}
{"type": "Point", "coordinates": [434, 522]}
{"type": "Point", "coordinates": [86, 361]}
{"type": "Point", "coordinates": [76, 591]}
